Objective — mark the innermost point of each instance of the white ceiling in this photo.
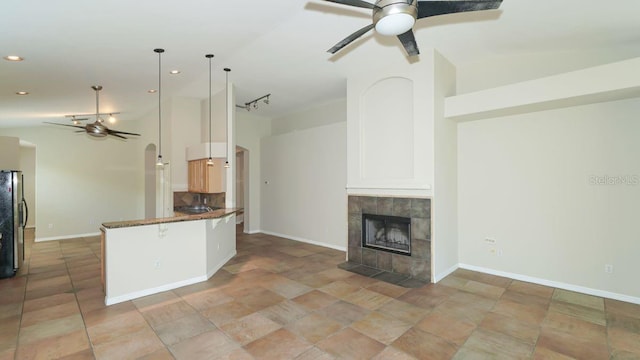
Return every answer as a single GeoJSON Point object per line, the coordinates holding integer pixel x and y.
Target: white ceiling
{"type": "Point", "coordinates": [272, 46]}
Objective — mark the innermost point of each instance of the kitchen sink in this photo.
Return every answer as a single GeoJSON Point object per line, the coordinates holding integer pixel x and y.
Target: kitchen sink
{"type": "Point", "coordinates": [194, 209]}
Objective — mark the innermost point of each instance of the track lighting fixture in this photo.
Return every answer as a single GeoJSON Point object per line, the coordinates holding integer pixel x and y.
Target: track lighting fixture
{"type": "Point", "coordinates": [76, 119]}
{"type": "Point", "coordinates": [254, 103]}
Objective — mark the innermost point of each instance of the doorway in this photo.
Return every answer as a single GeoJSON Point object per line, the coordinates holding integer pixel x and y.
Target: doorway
{"type": "Point", "coordinates": [242, 187]}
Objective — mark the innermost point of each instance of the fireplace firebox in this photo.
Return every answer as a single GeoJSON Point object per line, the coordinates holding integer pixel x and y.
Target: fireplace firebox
{"type": "Point", "coordinates": [387, 233]}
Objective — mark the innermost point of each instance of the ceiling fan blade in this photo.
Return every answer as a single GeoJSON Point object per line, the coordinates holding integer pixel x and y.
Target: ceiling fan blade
{"type": "Point", "coordinates": [116, 135]}
{"type": "Point", "coordinates": [75, 126]}
{"type": "Point", "coordinates": [346, 41]}
{"type": "Point", "coordinates": [408, 40]}
{"type": "Point", "coordinates": [435, 8]}
{"type": "Point", "coordinates": [122, 132]}
{"type": "Point", "coordinates": [356, 3]}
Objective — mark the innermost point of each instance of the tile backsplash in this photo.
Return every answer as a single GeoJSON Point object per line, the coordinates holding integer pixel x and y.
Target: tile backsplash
{"type": "Point", "coordinates": [182, 198]}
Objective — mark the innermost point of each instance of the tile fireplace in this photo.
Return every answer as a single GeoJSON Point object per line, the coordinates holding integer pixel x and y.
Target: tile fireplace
{"type": "Point", "coordinates": [391, 234]}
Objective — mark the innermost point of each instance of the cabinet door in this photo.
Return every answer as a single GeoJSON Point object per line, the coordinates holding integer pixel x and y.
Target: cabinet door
{"type": "Point", "coordinates": [203, 178]}
{"type": "Point", "coordinates": [195, 175]}
{"type": "Point", "coordinates": [191, 174]}
{"type": "Point", "coordinates": [214, 180]}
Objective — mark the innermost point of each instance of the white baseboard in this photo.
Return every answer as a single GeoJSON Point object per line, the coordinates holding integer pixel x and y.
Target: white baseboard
{"type": "Point", "coordinates": [442, 275]}
{"type": "Point", "coordinates": [251, 232]}
{"type": "Point", "coordinates": [219, 266]}
{"type": "Point", "coordinates": [555, 284]}
{"type": "Point", "coordinates": [335, 247]}
{"type": "Point", "coordinates": [65, 237]}
{"type": "Point", "coordinates": [134, 295]}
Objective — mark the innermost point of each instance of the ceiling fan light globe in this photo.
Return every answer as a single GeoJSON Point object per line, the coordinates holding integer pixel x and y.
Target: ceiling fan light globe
{"type": "Point", "coordinates": [97, 134]}
{"type": "Point", "coordinates": [96, 129]}
{"type": "Point", "coordinates": [395, 24]}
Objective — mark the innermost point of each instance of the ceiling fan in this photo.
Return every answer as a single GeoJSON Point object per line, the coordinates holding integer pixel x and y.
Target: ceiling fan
{"type": "Point", "coordinates": [97, 128]}
{"type": "Point", "coordinates": [397, 17]}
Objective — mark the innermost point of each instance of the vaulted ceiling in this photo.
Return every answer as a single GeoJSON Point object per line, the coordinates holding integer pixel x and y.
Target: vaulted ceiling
{"type": "Point", "coordinates": [272, 46]}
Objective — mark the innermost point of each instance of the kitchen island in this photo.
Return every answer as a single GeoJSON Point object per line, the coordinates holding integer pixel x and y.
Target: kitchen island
{"type": "Point", "coordinates": [144, 257]}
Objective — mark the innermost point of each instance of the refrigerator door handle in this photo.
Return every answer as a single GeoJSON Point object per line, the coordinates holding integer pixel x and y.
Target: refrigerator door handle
{"type": "Point", "coordinates": [26, 213]}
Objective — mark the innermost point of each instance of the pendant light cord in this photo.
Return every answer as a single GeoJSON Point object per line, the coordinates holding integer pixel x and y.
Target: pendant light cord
{"type": "Point", "coordinates": [160, 103]}
{"type": "Point", "coordinates": [209, 107]}
{"type": "Point", "coordinates": [159, 52]}
{"type": "Point", "coordinates": [226, 100]}
{"type": "Point", "coordinates": [210, 162]}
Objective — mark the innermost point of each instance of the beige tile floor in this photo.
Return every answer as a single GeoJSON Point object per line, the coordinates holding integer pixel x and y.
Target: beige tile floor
{"type": "Point", "coordinates": [281, 299]}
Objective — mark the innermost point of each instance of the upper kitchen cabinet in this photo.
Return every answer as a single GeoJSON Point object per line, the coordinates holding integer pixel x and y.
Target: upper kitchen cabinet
{"type": "Point", "coordinates": [206, 179]}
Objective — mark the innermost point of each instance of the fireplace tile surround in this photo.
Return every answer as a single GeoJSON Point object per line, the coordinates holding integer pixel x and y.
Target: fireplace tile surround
{"type": "Point", "coordinates": [416, 266]}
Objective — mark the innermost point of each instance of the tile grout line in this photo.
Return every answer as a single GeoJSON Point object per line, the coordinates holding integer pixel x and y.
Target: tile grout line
{"type": "Point", "coordinates": [24, 295]}
{"type": "Point", "coordinates": [75, 295]}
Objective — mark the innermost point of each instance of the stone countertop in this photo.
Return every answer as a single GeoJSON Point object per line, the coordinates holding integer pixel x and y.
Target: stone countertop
{"type": "Point", "coordinates": [215, 214]}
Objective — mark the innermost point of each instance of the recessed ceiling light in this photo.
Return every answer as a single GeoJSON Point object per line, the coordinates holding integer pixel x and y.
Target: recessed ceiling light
{"type": "Point", "coordinates": [174, 72]}
{"type": "Point", "coordinates": [22, 93]}
{"type": "Point", "coordinates": [152, 91]}
{"type": "Point", "coordinates": [13, 58]}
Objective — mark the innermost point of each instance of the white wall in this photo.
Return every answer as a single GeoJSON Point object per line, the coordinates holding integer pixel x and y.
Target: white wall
{"type": "Point", "coordinates": [303, 184]}
{"type": "Point", "coordinates": [390, 130]}
{"type": "Point", "coordinates": [218, 116]}
{"type": "Point", "coordinates": [444, 212]}
{"type": "Point", "coordinates": [83, 181]}
{"type": "Point", "coordinates": [183, 130]}
{"type": "Point", "coordinates": [515, 68]}
{"type": "Point", "coordinates": [529, 182]}
{"type": "Point", "coordinates": [319, 115]}
{"type": "Point", "coordinates": [250, 128]}
{"type": "Point", "coordinates": [28, 167]}
{"type": "Point", "coordinates": [9, 153]}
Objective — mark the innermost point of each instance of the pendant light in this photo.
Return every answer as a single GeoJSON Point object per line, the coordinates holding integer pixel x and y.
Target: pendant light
{"type": "Point", "coordinates": [210, 161]}
{"type": "Point", "coordinates": [159, 162]}
{"type": "Point", "coordinates": [226, 97]}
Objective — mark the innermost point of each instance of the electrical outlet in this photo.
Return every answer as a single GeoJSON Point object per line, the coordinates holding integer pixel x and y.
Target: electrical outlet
{"type": "Point", "coordinates": [490, 240]}
{"type": "Point", "coordinates": [157, 264]}
{"type": "Point", "coordinates": [608, 268]}
{"type": "Point", "coordinates": [50, 226]}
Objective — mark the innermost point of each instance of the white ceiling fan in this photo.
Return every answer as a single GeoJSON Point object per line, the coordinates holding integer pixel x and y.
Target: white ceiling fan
{"type": "Point", "coordinates": [97, 128]}
{"type": "Point", "coordinates": [397, 17]}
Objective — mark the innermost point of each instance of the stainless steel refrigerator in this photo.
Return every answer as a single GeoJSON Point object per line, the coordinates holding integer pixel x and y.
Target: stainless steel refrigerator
{"type": "Point", "coordinates": [13, 219]}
